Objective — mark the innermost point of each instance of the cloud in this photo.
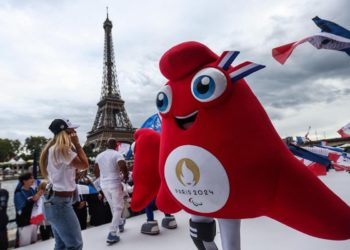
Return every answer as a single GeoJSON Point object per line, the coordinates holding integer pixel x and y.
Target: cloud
{"type": "Point", "coordinates": [52, 55]}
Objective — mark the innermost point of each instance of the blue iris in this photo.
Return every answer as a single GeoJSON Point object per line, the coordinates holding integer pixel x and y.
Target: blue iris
{"type": "Point", "coordinates": [162, 102]}
{"type": "Point", "coordinates": [203, 87]}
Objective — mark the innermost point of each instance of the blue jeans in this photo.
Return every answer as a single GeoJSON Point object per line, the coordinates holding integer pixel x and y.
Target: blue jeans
{"type": "Point", "coordinates": [149, 211]}
{"type": "Point", "coordinates": [64, 222]}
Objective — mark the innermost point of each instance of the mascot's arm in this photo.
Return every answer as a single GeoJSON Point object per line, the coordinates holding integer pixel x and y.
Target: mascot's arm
{"type": "Point", "coordinates": [310, 206]}
{"type": "Point", "coordinates": [145, 171]}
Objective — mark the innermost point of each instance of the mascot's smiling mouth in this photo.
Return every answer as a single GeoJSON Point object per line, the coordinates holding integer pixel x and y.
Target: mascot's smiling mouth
{"type": "Point", "coordinates": [185, 122]}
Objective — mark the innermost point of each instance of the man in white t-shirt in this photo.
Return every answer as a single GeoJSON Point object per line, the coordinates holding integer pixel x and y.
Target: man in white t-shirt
{"type": "Point", "coordinates": [108, 165]}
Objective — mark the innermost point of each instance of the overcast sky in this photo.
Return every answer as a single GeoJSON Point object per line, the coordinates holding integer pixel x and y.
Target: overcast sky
{"type": "Point", "coordinates": [52, 53]}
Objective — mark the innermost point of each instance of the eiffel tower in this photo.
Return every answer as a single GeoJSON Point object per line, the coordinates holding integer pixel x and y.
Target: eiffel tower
{"type": "Point", "coordinates": [111, 117]}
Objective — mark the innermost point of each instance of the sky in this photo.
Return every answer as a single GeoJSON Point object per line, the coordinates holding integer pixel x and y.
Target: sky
{"type": "Point", "coordinates": [51, 59]}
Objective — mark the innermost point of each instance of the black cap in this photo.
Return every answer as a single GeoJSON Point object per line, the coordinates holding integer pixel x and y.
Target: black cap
{"type": "Point", "coordinates": [59, 125]}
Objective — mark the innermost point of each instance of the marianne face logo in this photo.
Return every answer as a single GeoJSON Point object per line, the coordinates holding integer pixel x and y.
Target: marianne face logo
{"type": "Point", "coordinates": [187, 172]}
{"type": "Point", "coordinates": [197, 179]}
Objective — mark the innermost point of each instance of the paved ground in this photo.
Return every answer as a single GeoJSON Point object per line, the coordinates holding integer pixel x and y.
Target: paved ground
{"type": "Point", "coordinates": [256, 234]}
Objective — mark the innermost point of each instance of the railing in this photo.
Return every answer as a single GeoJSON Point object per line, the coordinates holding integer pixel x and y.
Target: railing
{"type": "Point", "coordinates": [9, 177]}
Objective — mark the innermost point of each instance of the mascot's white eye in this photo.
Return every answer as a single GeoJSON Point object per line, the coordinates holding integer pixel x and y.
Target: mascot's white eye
{"type": "Point", "coordinates": [208, 84]}
{"type": "Point", "coordinates": [164, 98]}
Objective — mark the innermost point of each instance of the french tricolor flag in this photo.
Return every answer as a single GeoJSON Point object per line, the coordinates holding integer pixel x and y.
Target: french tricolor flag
{"type": "Point", "coordinates": [332, 37]}
{"type": "Point", "coordinates": [340, 162]}
{"type": "Point", "coordinates": [227, 58]}
{"type": "Point", "coordinates": [344, 131]}
{"type": "Point", "coordinates": [37, 215]}
{"type": "Point", "coordinates": [240, 71]}
{"type": "Point", "coordinates": [314, 167]}
{"type": "Point", "coordinates": [244, 69]}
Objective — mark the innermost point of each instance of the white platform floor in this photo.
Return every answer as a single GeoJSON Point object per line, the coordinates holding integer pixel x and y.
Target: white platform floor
{"type": "Point", "coordinates": [256, 234]}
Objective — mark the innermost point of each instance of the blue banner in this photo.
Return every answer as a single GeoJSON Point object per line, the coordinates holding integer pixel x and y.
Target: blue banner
{"type": "Point", "coordinates": [153, 122]}
{"type": "Point", "coordinates": [303, 153]}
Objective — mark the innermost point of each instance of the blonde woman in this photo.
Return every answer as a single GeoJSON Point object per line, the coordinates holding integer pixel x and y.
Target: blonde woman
{"type": "Point", "coordinates": [58, 162]}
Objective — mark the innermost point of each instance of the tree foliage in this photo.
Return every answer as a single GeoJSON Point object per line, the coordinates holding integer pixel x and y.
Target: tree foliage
{"type": "Point", "coordinates": [13, 148]}
{"type": "Point", "coordinates": [34, 144]}
{"type": "Point", "coordinates": [8, 149]}
{"type": "Point", "coordinates": [89, 152]}
{"type": "Point", "coordinates": [16, 146]}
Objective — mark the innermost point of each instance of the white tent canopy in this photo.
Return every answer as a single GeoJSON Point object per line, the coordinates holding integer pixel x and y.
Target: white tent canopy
{"type": "Point", "coordinates": [21, 161]}
{"type": "Point", "coordinates": [12, 162]}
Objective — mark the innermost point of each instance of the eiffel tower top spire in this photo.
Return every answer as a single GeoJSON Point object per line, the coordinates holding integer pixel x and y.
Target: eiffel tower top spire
{"type": "Point", "coordinates": [110, 79]}
{"type": "Point", "coordinates": [111, 117]}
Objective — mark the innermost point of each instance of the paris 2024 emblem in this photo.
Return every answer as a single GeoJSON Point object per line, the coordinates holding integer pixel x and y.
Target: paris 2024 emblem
{"type": "Point", "coordinates": [197, 179]}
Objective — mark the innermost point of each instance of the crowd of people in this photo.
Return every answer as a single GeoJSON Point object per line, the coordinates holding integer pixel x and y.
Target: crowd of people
{"type": "Point", "coordinates": [59, 205]}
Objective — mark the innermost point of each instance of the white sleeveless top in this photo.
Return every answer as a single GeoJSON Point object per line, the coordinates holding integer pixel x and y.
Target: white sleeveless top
{"type": "Point", "coordinates": [60, 173]}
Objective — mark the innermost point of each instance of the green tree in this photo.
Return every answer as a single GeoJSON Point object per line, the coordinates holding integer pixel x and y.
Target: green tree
{"type": "Point", "coordinates": [89, 152]}
{"type": "Point", "coordinates": [15, 146]}
{"type": "Point", "coordinates": [34, 144]}
{"type": "Point", "coordinates": [8, 148]}
{"type": "Point", "coordinates": [25, 157]}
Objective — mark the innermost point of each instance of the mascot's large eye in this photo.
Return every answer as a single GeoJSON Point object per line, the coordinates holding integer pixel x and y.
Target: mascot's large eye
{"type": "Point", "coordinates": [208, 84]}
{"type": "Point", "coordinates": [164, 98]}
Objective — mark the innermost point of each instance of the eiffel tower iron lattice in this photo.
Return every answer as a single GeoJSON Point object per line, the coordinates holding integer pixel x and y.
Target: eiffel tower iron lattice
{"type": "Point", "coordinates": [111, 118]}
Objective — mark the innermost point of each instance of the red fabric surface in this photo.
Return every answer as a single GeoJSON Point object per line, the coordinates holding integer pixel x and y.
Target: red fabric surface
{"type": "Point", "coordinates": [145, 171]}
{"type": "Point", "coordinates": [264, 177]}
{"type": "Point", "coordinates": [317, 169]}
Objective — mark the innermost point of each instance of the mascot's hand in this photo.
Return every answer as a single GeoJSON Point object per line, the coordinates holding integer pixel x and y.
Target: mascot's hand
{"type": "Point", "coordinates": [145, 171]}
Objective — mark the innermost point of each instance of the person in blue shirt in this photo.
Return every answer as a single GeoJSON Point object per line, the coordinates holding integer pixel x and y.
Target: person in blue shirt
{"type": "Point", "coordinates": [24, 199]}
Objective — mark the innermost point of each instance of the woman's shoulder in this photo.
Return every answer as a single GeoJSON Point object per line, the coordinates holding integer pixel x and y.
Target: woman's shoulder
{"type": "Point", "coordinates": [51, 149]}
{"type": "Point", "coordinates": [60, 151]}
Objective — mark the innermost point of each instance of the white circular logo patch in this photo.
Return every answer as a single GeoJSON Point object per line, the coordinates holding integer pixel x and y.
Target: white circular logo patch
{"type": "Point", "coordinates": [197, 179]}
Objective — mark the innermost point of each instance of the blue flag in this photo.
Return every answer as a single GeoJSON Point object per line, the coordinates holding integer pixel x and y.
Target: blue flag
{"type": "Point", "coordinates": [153, 122]}
{"type": "Point", "coordinates": [333, 28]}
{"type": "Point", "coordinates": [128, 155]}
{"type": "Point", "coordinates": [303, 153]}
{"type": "Point", "coordinates": [330, 27]}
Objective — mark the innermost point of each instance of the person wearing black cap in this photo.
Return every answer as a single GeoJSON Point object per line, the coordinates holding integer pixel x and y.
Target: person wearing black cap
{"type": "Point", "coordinates": [59, 160]}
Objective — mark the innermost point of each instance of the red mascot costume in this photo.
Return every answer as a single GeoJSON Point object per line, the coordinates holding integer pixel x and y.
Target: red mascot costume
{"type": "Point", "coordinates": [202, 160]}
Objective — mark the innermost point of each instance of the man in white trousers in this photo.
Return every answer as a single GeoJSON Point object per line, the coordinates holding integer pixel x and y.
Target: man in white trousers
{"type": "Point", "coordinates": [108, 165]}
